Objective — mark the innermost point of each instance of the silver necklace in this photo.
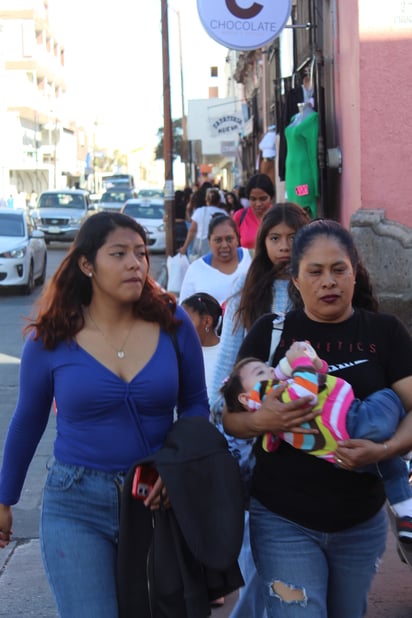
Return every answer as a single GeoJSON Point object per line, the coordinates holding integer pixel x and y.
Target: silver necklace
{"type": "Point", "coordinates": [120, 353]}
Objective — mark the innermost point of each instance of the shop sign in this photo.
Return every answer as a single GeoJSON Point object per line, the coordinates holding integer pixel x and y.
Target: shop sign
{"type": "Point", "coordinates": [244, 24]}
{"type": "Point", "coordinates": [228, 149]}
{"type": "Point", "coordinates": [225, 124]}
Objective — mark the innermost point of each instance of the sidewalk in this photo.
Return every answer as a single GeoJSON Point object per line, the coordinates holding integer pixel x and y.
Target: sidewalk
{"type": "Point", "coordinates": [23, 587]}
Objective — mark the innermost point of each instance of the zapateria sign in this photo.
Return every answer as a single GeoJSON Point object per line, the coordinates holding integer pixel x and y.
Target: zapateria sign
{"type": "Point", "coordinates": [225, 124]}
{"type": "Point", "coordinates": [244, 26]}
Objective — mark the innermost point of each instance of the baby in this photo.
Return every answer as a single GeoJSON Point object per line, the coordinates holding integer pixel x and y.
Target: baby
{"type": "Point", "coordinates": [341, 416]}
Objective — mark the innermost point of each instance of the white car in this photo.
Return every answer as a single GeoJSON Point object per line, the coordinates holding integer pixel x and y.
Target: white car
{"type": "Point", "coordinates": [114, 199]}
{"type": "Point", "coordinates": [59, 213]}
{"type": "Point", "coordinates": [150, 214]}
{"type": "Point", "coordinates": [23, 251]}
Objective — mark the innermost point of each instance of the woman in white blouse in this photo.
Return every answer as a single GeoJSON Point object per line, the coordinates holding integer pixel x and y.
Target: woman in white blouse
{"type": "Point", "coordinates": [215, 272]}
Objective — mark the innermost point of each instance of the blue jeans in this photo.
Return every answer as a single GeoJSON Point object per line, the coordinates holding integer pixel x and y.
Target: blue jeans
{"type": "Point", "coordinates": [310, 574]}
{"type": "Point", "coordinates": [251, 603]}
{"type": "Point", "coordinates": [78, 534]}
{"type": "Point", "coordinates": [377, 418]}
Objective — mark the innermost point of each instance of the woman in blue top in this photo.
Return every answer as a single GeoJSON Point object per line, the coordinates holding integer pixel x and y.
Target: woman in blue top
{"type": "Point", "coordinates": [104, 344]}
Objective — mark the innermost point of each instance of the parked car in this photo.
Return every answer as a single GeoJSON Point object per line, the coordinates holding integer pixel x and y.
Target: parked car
{"type": "Point", "coordinates": [23, 251]}
{"type": "Point", "coordinates": [114, 199]}
{"type": "Point", "coordinates": [60, 213]}
{"type": "Point", "coordinates": [150, 214]}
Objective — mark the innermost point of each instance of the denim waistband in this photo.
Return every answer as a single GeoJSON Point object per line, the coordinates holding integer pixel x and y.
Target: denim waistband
{"type": "Point", "coordinates": [85, 470]}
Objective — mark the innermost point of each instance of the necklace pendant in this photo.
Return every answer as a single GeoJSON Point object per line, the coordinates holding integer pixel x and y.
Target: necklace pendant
{"type": "Point", "coordinates": [120, 354]}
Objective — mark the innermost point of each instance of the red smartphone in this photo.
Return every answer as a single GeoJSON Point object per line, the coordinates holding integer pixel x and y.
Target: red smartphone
{"type": "Point", "coordinates": [143, 481]}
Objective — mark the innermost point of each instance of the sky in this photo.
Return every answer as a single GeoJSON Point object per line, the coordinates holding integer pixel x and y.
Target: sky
{"type": "Point", "coordinates": [113, 58]}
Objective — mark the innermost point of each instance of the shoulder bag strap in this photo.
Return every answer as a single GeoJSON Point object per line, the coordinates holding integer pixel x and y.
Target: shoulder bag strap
{"type": "Point", "coordinates": [277, 329]}
{"type": "Point", "coordinates": [243, 215]}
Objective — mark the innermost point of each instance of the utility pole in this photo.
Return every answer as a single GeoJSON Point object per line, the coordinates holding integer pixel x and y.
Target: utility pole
{"type": "Point", "coordinates": [167, 138]}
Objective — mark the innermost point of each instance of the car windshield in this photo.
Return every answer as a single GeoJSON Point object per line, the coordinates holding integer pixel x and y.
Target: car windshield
{"type": "Point", "coordinates": [10, 225]}
{"type": "Point", "coordinates": [115, 196]}
{"type": "Point", "coordinates": [141, 211]}
{"type": "Point", "coordinates": [61, 200]}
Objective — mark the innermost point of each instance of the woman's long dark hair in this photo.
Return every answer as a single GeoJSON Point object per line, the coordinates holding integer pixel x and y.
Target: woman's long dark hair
{"type": "Point", "coordinates": [60, 307]}
{"type": "Point", "coordinates": [236, 203]}
{"type": "Point", "coordinates": [257, 294]}
{"type": "Point", "coordinates": [363, 296]}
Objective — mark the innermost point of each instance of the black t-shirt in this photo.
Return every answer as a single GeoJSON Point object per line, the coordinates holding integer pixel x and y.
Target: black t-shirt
{"type": "Point", "coordinates": [370, 351]}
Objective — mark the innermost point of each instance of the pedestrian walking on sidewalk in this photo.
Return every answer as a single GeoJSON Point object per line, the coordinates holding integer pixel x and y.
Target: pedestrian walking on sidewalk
{"type": "Point", "coordinates": [103, 334]}
{"type": "Point", "coordinates": [318, 530]}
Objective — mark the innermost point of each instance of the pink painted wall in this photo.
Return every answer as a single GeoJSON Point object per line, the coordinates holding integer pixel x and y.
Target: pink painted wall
{"type": "Point", "coordinates": [348, 105]}
{"type": "Point", "coordinates": [373, 82]}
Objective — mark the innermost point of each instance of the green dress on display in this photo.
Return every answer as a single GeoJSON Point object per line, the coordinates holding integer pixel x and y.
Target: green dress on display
{"type": "Point", "coordinates": [302, 174]}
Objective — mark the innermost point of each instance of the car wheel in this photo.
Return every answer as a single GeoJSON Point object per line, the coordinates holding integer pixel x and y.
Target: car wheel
{"type": "Point", "coordinates": [29, 287]}
{"type": "Point", "coordinates": [42, 278]}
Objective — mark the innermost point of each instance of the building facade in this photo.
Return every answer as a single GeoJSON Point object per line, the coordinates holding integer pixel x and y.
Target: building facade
{"type": "Point", "coordinates": [45, 149]}
{"type": "Point", "coordinates": [353, 57]}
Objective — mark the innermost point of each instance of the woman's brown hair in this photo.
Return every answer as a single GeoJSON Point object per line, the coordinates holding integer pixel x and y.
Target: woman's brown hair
{"type": "Point", "coordinates": [60, 307]}
{"type": "Point", "coordinates": [257, 293]}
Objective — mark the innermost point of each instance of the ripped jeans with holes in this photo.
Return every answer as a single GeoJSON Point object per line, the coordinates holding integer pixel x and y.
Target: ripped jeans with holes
{"type": "Point", "coordinates": [312, 574]}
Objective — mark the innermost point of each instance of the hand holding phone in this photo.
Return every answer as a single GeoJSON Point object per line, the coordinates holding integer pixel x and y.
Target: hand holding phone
{"type": "Point", "coordinates": [145, 477]}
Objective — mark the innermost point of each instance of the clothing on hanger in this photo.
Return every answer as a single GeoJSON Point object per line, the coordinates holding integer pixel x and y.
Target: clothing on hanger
{"type": "Point", "coordinates": [268, 143]}
{"type": "Point", "coordinates": [297, 94]}
{"type": "Point", "coordinates": [305, 110]}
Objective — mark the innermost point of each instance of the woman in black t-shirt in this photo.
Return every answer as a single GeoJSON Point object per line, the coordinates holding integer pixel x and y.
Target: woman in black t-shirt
{"type": "Point", "coordinates": [318, 531]}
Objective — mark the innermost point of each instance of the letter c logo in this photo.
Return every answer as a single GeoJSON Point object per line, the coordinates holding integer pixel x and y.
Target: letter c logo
{"type": "Point", "coordinates": [240, 13]}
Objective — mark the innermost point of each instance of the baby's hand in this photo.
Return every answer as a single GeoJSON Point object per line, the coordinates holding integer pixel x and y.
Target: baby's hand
{"type": "Point", "coordinates": [303, 348]}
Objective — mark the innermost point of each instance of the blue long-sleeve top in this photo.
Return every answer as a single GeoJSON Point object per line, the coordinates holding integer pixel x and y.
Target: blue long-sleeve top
{"type": "Point", "coordinates": [103, 422]}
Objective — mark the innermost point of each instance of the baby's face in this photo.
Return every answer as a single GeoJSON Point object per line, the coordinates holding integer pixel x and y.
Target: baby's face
{"type": "Point", "coordinates": [254, 372]}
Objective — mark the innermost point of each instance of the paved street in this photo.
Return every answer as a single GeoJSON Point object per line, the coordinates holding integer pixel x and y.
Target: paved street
{"type": "Point", "coordinates": [23, 588]}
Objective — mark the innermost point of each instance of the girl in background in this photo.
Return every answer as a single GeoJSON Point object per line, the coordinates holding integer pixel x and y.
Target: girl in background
{"type": "Point", "coordinates": [262, 289]}
{"type": "Point", "coordinates": [206, 315]}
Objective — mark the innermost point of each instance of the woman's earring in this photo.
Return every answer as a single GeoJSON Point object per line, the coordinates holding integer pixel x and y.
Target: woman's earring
{"type": "Point", "coordinates": [90, 274]}
{"type": "Point", "coordinates": [207, 329]}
